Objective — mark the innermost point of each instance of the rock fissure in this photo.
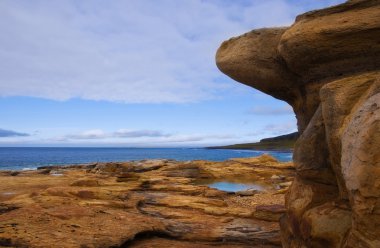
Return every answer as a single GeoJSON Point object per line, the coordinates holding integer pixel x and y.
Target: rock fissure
{"type": "Point", "coordinates": [145, 235]}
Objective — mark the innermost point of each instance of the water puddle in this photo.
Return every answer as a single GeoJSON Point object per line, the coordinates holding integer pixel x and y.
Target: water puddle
{"type": "Point", "coordinates": [235, 187]}
{"type": "Point", "coordinates": [232, 186]}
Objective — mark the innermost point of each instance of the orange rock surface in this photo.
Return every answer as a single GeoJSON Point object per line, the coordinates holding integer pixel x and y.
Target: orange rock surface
{"type": "Point", "coordinates": [327, 67]}
{"type": "Point", "coordinates": [153, 203]}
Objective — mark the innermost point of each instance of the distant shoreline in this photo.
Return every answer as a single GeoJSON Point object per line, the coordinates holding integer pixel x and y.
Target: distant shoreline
{"type": "Point", "coordinates": [280, 143]}
{"type": "Point", "coordinates": [28, 158]}
{"type": "Point", "coordinates": [232, 147]}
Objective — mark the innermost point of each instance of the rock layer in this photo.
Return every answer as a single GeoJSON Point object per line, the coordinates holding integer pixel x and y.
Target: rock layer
{"type": "Point", "coordinates": [327, 67]}
{"type": "Point", "coordinates": [152, 203]}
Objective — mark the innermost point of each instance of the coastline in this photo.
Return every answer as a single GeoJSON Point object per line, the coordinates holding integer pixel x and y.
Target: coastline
{"type": "Point", "coordinates": [32, 158]}
{"type": "Point", "coordinates": [160, 203]}
{"type": "Point", "coordinates": [233, 147]}
{"type": "Point", "coordinates": [284, 143]}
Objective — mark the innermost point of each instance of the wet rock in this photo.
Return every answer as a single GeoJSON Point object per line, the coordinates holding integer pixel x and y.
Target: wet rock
{"type": "Point", "coordinates": [248, 192]}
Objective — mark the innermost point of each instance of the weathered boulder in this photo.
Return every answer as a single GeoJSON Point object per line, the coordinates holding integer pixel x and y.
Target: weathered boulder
{"type": "Point", "coordinates": [247, 192]}
{"type": "Point", "coordinates": [327, 67]}
{"type": "Point", "coordinates": [269, 212]}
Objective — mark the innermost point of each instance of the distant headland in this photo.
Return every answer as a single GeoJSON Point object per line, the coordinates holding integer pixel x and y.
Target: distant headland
{"type": "Point", "coordinates": [282, 142]}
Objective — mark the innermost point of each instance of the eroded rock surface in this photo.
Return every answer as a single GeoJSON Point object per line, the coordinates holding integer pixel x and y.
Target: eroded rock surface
{"type": "Point", "coordinates": [152, 203]}
{"type": "Point", "coordinates": [327, 67]}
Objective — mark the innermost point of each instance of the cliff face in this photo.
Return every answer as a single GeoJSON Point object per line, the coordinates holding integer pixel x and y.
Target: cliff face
{"type": "Point", "coordinates": [327, 67]}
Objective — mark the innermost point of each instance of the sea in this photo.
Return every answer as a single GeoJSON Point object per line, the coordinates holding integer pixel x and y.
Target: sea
{"type": "Point", "coordinates": [29, 158]}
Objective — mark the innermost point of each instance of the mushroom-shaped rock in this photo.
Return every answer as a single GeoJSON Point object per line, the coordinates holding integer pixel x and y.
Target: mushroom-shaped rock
{"type": "Point", "coordinates": [327, 66]}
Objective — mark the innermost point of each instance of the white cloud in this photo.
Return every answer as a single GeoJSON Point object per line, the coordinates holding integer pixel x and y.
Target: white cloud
{"type": "Point", "coordinates": [196, 138]}
{"type": "Point", "coordinates": [9, 133]}
{"type": "Point", "coordinates": [89, 134]}
{"type": "Point", "coordinates": [100, 134]}
{"type": "Point", "coordinates": [126, 133]}
{"type": "Point", "coordinates": [141, 138]}
{"type": "Point", "coordinates": [132, 51]}
{"type": "Point", "coordinates": [281, 128]}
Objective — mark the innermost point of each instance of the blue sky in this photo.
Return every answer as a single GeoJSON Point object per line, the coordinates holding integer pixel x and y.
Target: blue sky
{"type": "Point", "coordinates": [133, 73]}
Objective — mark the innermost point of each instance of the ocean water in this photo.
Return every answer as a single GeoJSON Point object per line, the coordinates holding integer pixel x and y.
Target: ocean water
{"type": "Point", "coordinates": [19, 158]}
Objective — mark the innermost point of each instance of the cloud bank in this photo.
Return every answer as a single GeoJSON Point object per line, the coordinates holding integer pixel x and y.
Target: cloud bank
{"type": "Point", "coordinates": [122, 133]}
{"type": "Point", "coordinates": [9, 133]}
{"type": "Point", "coordinates": [280, 129]}
{"type": "Point", "coordinates": [135, 51]}
{"type": "Point", "coordinates": [123, 138]}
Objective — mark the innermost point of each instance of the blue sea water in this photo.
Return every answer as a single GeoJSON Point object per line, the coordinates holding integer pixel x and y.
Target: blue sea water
{"type": "Point", "coordinates": [19, 158]}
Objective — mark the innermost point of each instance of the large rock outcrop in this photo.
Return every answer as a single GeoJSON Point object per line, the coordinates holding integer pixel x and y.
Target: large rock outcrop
{"type": "Point", "coordinates": [327, 67]}
{"type": "Point", "coordinates": [151, 203]}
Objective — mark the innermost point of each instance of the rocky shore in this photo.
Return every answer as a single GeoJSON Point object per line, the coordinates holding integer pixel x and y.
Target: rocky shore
{"type": "Point", "coordinates": [151, 203]}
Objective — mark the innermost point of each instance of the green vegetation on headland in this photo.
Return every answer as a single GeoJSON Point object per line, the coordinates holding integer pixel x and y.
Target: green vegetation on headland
{"type": "Point", "coordinates": [283, 142]}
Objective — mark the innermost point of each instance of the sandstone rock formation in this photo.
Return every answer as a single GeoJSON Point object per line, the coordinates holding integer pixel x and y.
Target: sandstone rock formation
{"type": "Point", "coordinates": [327, 67]}
{"type": "Point", "coordinates": [152, 203]}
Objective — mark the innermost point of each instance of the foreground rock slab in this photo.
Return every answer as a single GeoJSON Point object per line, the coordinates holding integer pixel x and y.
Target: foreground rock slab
{"type": "Point", "coordinates": [152, 203]}
{"type": "Point", "coordinates": [327, 67]}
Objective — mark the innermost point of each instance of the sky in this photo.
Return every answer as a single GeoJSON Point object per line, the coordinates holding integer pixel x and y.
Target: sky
{"type": "Point", "coordinates": [133, 73]}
